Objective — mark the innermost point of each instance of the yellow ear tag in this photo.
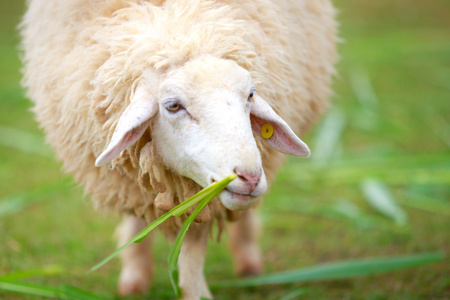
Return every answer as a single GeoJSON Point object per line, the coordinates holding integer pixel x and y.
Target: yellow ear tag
{"type": "Point", "coordinates": [267, 130]}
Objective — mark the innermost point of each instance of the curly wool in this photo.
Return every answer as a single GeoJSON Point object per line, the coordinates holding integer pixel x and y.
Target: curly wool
{"type": "Point", "coordinates": [83, 76]}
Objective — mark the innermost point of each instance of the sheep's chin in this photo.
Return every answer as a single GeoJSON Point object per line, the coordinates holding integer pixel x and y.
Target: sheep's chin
{"type": "Point", "coordinates": [234, 201]}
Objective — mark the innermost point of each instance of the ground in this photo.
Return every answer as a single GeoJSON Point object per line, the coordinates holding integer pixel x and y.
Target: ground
{"type": "Point", "coordinates": [389, 121]}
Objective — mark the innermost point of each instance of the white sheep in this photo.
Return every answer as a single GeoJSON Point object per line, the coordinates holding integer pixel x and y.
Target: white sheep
{"type": "Point", "coordinates": [167, 97]}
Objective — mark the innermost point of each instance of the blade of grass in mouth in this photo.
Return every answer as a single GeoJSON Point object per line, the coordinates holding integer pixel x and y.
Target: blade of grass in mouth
{"type": "Point", "coordinates": [213, 189]}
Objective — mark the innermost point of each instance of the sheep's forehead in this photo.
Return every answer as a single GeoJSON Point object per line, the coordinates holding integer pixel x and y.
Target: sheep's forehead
{"type": "Point", "coordinates": [202, 77]}
{"type": "Point", "coordinates": [216, 73]}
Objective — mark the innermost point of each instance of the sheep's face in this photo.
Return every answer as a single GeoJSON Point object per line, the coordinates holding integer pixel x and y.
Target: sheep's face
{"type": "Point", "coordinates": [203, 129]}
{"type": "Point", "coordinates": [204, 117]}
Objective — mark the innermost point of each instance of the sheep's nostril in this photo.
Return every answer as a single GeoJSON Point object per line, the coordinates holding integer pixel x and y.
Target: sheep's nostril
{"type": "Point", "coordinates": [249, 178]}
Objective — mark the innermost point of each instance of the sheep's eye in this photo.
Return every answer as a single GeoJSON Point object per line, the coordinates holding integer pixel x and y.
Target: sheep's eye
{"type": "Point", "coordinates": [250, 96]}
{"type": "Point", "coordinates": [173, 106]}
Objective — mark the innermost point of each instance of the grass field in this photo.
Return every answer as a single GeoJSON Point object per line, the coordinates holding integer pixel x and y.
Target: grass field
{"type": "Point", "coordinates": [388, 134]}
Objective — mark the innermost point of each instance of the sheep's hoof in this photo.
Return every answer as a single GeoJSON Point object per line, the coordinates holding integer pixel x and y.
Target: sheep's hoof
{"type": "Point", "coordinates": [134, 281]}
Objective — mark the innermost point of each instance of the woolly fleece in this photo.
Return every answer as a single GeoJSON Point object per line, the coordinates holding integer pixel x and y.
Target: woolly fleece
{"type": "Point", "coordinates": [84, 58]}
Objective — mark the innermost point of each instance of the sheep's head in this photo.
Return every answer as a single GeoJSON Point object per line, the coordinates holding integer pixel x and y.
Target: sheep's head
{"type": "Point", "coordinates": [204, 116]}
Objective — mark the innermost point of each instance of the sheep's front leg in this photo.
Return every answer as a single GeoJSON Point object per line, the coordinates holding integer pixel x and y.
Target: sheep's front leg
{"type": "Point", "coordinates": [190, 263]}
{"type": "Point", "coordinates": [244, 235]}
{"type": "Point", "coordinates": [137, 266]}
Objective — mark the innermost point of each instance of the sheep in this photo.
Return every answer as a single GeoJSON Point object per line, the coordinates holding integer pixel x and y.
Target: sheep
{"type": "Point", "coordinates": [147, 102]}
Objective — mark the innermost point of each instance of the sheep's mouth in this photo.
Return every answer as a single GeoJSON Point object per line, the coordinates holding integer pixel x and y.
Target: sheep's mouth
{"type": "Point", "coordinates": [239, 195]}
{"type": "Point", "coordinates": [235, 198]}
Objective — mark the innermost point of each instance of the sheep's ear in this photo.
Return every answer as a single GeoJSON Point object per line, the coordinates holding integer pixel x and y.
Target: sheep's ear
{"type": "Point", "coordinates": [274, 130]}
{"type": "Point", "coordinates": [132, 124]}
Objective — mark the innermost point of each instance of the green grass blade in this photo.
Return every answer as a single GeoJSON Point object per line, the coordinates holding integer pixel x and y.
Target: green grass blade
{"type": "Point", "coordinates": [362, 89]}
{"type": "Point", "coordinates": [176, 247]}
{"type": "Point", "coordinates": [45, 271]}
{"type": "Point", "coordinates": [380, 198]}
{"type": "Point", "coordinates": [426, 203]}
{"type": "Point", "coordinates": [24, 141]}
{"type": "Point", "coordinates": [327, 138]}
{"type": "Point", "coordinates": [176, 211]}
{"type": "Point", "coordinates": [294, 294]}
{"type": "Point", "coordinates": [337, 270]}
{"type": "Point", "coordinates": [75, 293]}
{"type": "Point", "coordinates": [66, 292]}
{"type": "Point", "coordinates": [395, 169]}
{"type": "Point", "coordinates": [143, 234]}
{"type": "Point", "coordinates": [137, 238]}
{"type": "Point", "coordinates": [181, 209]}
{"type": "Point", "coordinates": [29, 289]}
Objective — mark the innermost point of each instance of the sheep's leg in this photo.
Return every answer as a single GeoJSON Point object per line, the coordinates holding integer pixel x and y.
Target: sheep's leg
{"type": "Point", "coordinates": [244, 235]}
{"type": "Point", "coordinates": [137, 265]}
{"type": "Point", "coordinates": [190, 263]}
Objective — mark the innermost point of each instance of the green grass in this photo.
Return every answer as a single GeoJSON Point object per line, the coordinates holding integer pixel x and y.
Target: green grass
{"type": "Point", "coordinates": [389, 122]}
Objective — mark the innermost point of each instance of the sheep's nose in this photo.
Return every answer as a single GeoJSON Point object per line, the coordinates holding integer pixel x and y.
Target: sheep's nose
{"type": "Point", "coordinates": [250, 179]}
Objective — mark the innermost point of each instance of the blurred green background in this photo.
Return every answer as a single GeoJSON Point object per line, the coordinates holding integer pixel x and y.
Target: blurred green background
{"type": "Point", "coordinates": [378, 183]}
